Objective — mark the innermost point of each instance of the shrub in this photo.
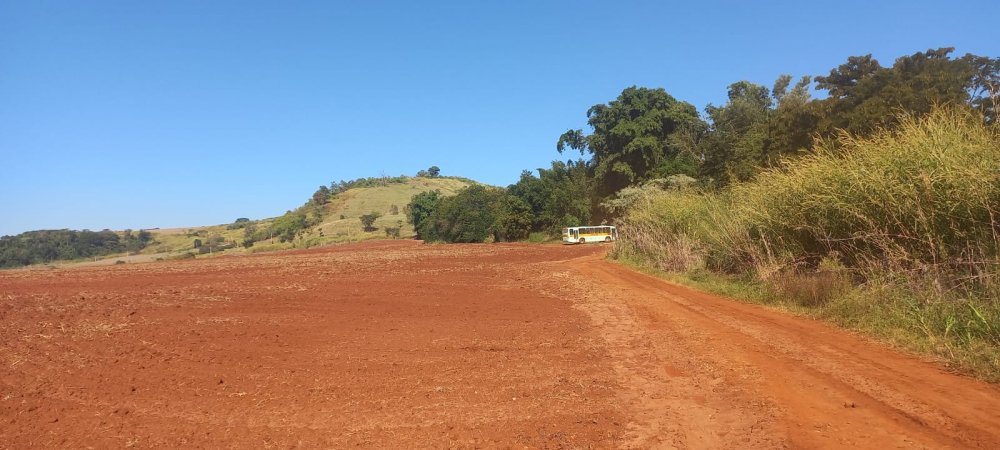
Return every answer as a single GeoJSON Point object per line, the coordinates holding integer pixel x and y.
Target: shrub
{"type": "Point", "coordinates": [419, 210]}
{"type": "Point", "coordinates": [468, 216]}
{"type": "Point", "coordinates": [239, 223]}
{"type": "Point", "coordinates": [513, 219]}
{"type": "Point", "coordinates": [368, 221]}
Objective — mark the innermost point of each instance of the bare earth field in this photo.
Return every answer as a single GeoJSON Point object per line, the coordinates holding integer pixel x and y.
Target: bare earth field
{"type": "Point", "coordinates": [398, 344]}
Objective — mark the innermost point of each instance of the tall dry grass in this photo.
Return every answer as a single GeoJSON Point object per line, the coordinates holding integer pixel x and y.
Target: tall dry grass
{"type": "Point", "coordinates": [921, 201]}
{"type": "Point", "coordinates": [895, 234]}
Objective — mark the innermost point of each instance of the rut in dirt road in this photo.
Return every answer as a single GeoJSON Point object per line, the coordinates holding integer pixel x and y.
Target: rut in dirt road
{"type": "Point", "coordinates": [728, 374]}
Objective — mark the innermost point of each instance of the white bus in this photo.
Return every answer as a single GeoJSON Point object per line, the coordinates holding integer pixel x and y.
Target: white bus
{"type": "Point", "coordinates": [582, 235]}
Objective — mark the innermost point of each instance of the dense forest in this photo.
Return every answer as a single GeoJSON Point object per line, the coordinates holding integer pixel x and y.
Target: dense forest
{"type": "Point", "coordinates": [45, 246]}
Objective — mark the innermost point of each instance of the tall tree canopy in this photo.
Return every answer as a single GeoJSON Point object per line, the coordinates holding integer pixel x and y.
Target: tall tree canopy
{"type": "Point", "coordinates": [735, 144]}
{"type": "Point", "coordinates": [864, 96]}
{"type": "Point", "coordinates": [755, 129]}
{"type": "Point", "coordinates": [633, 138]}
{"type": "Point", "coordinates": [560, 196]}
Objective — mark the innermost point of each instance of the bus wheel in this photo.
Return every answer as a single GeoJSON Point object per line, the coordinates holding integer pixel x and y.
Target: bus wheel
{"type": "Point", "coordinates": [583, 241]}
{"type": "Point", "coordinates": [607, 239]}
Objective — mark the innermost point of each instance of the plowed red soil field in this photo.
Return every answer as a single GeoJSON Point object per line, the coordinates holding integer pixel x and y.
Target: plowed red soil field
{"type": "Point", "coordinates": [397, 345]}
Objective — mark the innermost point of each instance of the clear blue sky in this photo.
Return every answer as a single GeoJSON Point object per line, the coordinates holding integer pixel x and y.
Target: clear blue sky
{"type": "Point", "coordinates": [180, 113]}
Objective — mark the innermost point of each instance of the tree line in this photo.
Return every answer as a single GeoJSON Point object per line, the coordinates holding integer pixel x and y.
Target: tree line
{"type": "Point", "coordinates": [45, 246]}
{"type": "Point", "coordinates": [647, 135]}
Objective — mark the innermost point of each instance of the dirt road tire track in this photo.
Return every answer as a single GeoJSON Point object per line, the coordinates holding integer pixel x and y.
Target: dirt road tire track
{"type": "Point", "coordinates": [808, 384]}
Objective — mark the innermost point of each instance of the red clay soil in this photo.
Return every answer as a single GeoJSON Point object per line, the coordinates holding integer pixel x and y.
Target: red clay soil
{"type": "Point", "coordinates": [398, 344]}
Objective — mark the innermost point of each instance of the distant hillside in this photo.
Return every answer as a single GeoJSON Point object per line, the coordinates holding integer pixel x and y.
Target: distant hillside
{"type": "Point", "coordinates": [352, 204]}
{"type": "Point", "coordinates": [332, 215]}
{"type": "Point", "coordinates": [335, 218]}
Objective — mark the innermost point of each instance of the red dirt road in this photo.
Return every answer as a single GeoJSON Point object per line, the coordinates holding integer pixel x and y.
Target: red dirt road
{"type": "Point", "coordinates": [397, 344]}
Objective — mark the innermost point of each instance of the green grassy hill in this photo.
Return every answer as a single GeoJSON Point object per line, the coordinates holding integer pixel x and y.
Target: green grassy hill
{"type": "Point", "coordinates": [340, 220]}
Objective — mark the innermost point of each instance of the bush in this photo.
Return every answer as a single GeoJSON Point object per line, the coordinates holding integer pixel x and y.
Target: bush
{"type": "Point", "coordinates": [185, 255]}
{"type": "Point", "coordinates": [513, 220]}
{"type": "Point", "coordinates": [368, 221]}
{"type": "Point", "coordinates": [341, 186]}
{"type": "Point", "coordinates": [468, 216]}
{"type": "Point", "coordinates": [474, 214]}
{"type": "Point", "coordinates": [239, 223]}
{"type": "Point", "coordinates": [419, 210]}
{"type": "Point", "coordinates": [286, 227]}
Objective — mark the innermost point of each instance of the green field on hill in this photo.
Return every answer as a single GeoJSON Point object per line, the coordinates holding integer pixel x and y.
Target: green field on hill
{"type": "Point", "coordinates": [340, 221]}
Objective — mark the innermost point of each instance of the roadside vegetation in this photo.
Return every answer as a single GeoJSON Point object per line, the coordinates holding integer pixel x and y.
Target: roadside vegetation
{"type": "Point", "coordinates": [893, 234]}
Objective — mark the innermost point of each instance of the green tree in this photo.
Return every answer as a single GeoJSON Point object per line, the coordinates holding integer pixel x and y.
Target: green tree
{"type": "Point", "coordinates": [286, 226]}
{"type": "Point", "coordinates": [793, 122]}
{"type": "Point", "coordinates": [133, 241]}
{"type": "Point", "coordinates": [368, 221]}
{"type": "Point", "coordinates": [468, 216]}
{"type": "Point", "coordinates": [433, 171]}
{"type": "Point", "coordinates": [42, 246]}
{"type": "Point", "coordinates": [735, 146]}
{"type": "Point", "coordinates": [864, 96]}
{"type": "Point", "coordinates": [513, 220]}
{"type": "Point", "coordinates": [238, 223]}
{"type": "Point", "coordinates": [562, 195]}
{"type": "Point", "coordinates": [419, 209]}
{"type": "Point", "coordinates": [570, 195]}
{"type": "Point", "coordinates": [756, 128]}
{"type": "Point", "coordinates": [529, 189]}
{"type": "Point", "coordinates": [632, 138]}
{"type": "Point", "coordinates": [321, 196]}
{"type": "Point", "coordinates": [249, 234]}
{"type": "Point", "coordinates": [985, 90]}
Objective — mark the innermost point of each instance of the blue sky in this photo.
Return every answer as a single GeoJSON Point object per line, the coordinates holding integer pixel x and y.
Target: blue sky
{"type": "Point", "coordinates": [182, 113]}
